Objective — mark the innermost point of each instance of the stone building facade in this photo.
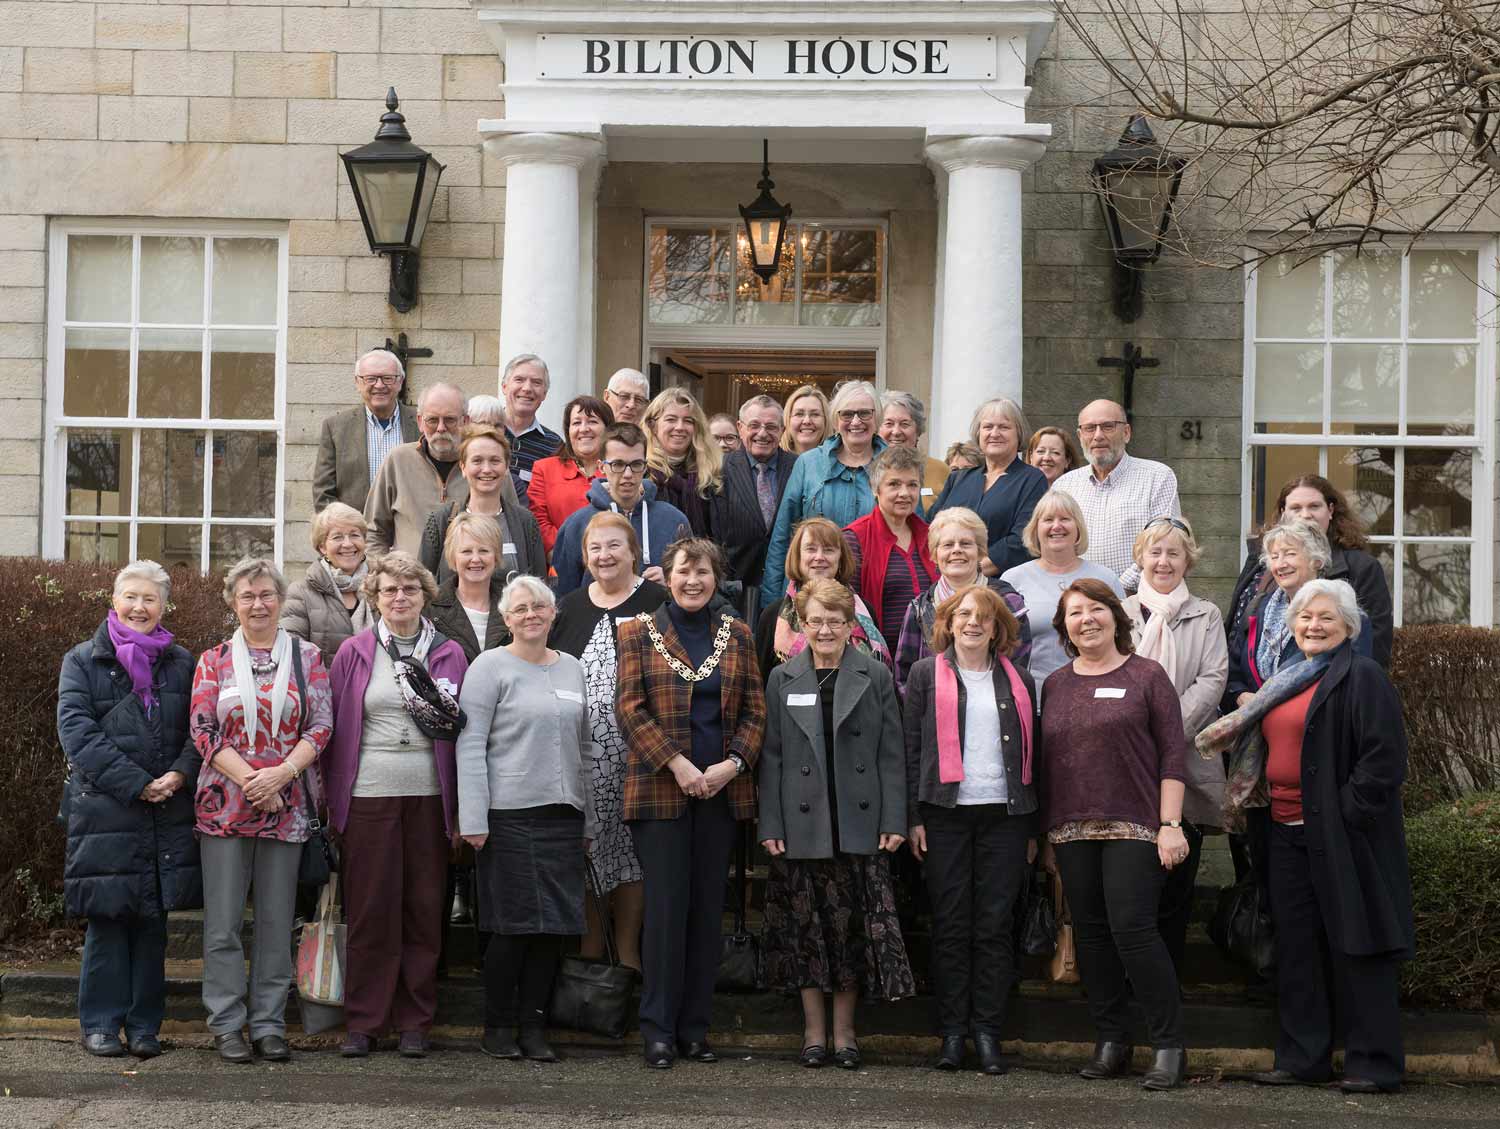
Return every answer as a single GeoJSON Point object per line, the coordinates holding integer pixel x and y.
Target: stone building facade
{"type": "Point", "coordinates": [185, 283]}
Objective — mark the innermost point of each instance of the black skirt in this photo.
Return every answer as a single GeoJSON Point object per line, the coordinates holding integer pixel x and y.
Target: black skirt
{"type": "Point", "coordinates": [531, 872]}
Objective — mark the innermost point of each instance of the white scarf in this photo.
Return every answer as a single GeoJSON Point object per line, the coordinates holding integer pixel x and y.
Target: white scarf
{"type": "Point", "coordinates": [245, 682]}
{"type": "Point", "coordinates": [1157, 641]}
{"type": "Point", "coordinates": [425, 635]}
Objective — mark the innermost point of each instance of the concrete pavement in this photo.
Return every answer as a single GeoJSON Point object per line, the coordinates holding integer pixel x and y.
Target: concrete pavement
{"type": "Point", "coordinates": [49, 1082]}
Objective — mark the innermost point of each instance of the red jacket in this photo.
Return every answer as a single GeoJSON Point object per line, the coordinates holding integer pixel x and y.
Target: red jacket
{"type": "Point", "coordinates": [558, 490]}
{"type": "Point", "coordinates": [872, 540]}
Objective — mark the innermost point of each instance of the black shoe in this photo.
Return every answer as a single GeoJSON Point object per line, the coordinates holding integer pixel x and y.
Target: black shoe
{"type": "Point", "coordinates": [460, 914]}
{"type": "Point", "coordinates": [273, 1048]}
{"type": "Point", "coordinates": [233, 1048]}
{"type": "Point", "coordinates": [813, 1056]}
{"type": "Point", "coordinates": [847, 1058]}
{"type": "Point", "coordinates": [697, 1052]}
{"type": "Point", "coordinates": [534, 1045]}
{"type": "Point", "coordinates": [660, 1056]}
{"type": "Point", "coordinates": [500, 1042]}
{"type": "Point", "coordinates": [356, 1045]}
{"type": "Point", "coordinates": [1168, 1069]}
{"type": "Point", "coordinates": [413, 1044]}
{"type": "Point", "coordinates": [1365, 1086]}
{"type": "Point", "coordinates": [951, 1057]}
{"type": "Point", "coordinates": [1110, 1061]}
{"type": "Point", "coordinates": [144, 1046]}
{"type": "Point", "coordinates": [988, 1047]}
{"type": "Point", "coordinates": [102, 1045]}
{"type": "Point", "coordinates": [1279, 1077]}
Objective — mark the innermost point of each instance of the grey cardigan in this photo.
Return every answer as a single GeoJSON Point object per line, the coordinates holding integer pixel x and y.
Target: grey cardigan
{"type": "Point", "coordinates": [867, 759]}
{"type": "Point", "coordinates": [527, 743]}
{"type": "Point", "coordinates": [922, 783]}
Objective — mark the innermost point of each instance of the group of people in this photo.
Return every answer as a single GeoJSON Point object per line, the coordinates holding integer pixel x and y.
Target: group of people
{"type": "Point", "coordinates": [588, 659]}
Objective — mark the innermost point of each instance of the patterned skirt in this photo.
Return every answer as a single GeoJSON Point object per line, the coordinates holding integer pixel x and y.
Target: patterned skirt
{"type": "Point", "coordinates": [831, 924]}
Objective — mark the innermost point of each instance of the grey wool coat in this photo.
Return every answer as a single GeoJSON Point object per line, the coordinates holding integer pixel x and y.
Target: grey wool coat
{"type": "Point", "coordinates": [869, 772]}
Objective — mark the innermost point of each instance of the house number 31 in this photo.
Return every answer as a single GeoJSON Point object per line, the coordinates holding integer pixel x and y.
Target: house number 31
{"type": "Point", "coordinates": [1192, 430]}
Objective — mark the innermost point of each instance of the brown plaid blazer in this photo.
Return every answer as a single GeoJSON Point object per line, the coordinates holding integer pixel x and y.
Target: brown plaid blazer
{"type": "Point", "coordinates": [652, 705]}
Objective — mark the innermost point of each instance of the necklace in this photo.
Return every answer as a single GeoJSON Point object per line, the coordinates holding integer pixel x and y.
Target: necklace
{"type": "Point", "coordinates": [685, 672]}
{"type": "Point", "coordinates": [823, 679]}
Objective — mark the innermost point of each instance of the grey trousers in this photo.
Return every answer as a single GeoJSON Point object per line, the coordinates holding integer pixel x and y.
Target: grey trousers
{"type": "Point", "coordinates": [232, 868]}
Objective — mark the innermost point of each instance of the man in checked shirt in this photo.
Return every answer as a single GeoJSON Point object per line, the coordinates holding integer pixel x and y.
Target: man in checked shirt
{"type": "Point", "coordinates": [1118, 493]}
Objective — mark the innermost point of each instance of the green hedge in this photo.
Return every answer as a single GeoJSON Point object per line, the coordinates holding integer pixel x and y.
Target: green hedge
{"type": "Point", "coordinates": [1455, 878]}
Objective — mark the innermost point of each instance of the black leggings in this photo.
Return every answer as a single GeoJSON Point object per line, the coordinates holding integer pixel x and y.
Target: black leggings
{"type": "Point", "coordinates": [518, 972]}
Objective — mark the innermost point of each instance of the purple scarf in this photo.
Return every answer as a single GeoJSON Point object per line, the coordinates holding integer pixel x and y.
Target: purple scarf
{"type": "Point", "coordinates": [138, 653]}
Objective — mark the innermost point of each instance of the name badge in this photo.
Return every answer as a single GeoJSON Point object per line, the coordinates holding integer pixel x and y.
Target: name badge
{"type": "Point", "coordinates": [1109, 692]}
{"type": "Point", "coordinates": [801, 699]}
{"type": "Point", "coordinates": [928, 491]}
{"type": "Point", "coordinates": [570, 696]}
{"type": "Point", "coordinates": [508, 549]}
{"type": "Point", "coordinates": [619, 619]}
{"type": "Point", "coordinates": [524, 475]}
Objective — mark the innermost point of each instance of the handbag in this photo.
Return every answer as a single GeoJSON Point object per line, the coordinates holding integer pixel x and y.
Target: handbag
{"type": "Point", "coordinates": [740, 964]}
{"type": "Point", "coordinates": [592, 995]}
{"type": "Point", "coordinates": [1039, 930]}
{"type": "Point", "coordinates": [1242, 929]}
{"type": "Point", "coordinates": [321, 953]}
{"type": "Point", "coordinates": [436, 712]}
{"type": "Point", "coordinates": [319, 860]}
{"type": "Point", "coordinates": [1064, 966]}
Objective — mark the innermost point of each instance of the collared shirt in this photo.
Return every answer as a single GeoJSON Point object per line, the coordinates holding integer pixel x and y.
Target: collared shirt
{"type": "Point", "coordinates": [536, 442]}
{"type": "Point", "coordinates": [381, 438]}
{"type": "Point", "coordinates": [1118, 508]}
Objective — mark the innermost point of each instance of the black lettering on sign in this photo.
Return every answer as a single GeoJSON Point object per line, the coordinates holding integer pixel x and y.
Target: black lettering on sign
{"type": "Point", "coordinates": [737, 50]}
{"type": "Point", "coordinates": [937, 60]}
{"type": "Point", "coordinates": [1191, 430]}
{"type": "Point", "coordinates": [866, 63]}
{"type": "Point", "coordinates": [845, 54]}
{"type": "Point", "coordinates": [794, 54]}
{"type": "Point", "coordinates": [904, 51]}
{"type": "Point", "coordinates": [597, 58]}
{"type": "Point", "coordinates": [640, 59]}
{"type": "Point", "coordinates": [715, 56]}
{"type": "Point", "coordinates": [672, 45]}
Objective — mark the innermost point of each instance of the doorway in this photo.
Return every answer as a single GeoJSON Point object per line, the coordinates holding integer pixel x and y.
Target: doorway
{"type": "Point", "coordinates": [721, 379]}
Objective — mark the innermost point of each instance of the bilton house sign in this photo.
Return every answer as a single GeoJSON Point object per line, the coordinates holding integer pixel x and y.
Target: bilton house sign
{"type": "Point", "coordinates": [955, 57]}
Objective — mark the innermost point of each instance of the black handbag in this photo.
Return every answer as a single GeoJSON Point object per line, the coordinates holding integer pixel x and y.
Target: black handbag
{"type": "Point", "coordinates": [740, 967]}
{"type": "Point", "coordinates": [320, 855]}
{"type": "Point", "coordinates": [1039, 931]}
{"type": "Point", "coordinates": [592, 995]}
{"type": "Point", "coordinates": [1242, 927]}
{"type": "Point", "coordinates": [436, 712]}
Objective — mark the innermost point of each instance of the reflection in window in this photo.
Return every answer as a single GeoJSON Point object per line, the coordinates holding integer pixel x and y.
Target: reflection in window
{"type": "Point", "coordinates": [842, 280]}
{"type": "Point", "coordinates": [688, 279]}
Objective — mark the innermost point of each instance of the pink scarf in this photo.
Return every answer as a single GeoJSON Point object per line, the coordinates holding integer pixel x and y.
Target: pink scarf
{"type": "Point", "coordinates": [950, 749]}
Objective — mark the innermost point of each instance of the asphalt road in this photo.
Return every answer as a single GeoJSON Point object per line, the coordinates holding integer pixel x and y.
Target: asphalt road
{"type": "Point", "coordinates": [48, 1082]}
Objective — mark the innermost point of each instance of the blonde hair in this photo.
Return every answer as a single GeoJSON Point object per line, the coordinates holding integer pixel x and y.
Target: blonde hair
{"type": "Point", "coordinates": [335, 513]}
{"type": "Point", "coordinates": [958, 515]}
{"type": "Point", "coordinates": [1159, 529]}
{"type": "Point", "coordinates": [609, 519]}
{"type": "Point", "coordinates": [787, 442]}
{"type": "Point", "coordinates": [1051, 502]}
{"type": "Point", "coordinates": [480, 527]}
{"type": "Point", "coordinates": [1007, 408]}
{"type": "Point", "coordinates": [706, 458]}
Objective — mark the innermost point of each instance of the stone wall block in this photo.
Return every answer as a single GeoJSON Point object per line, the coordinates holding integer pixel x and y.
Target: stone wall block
{"type": "Point", "coordinates": [487, 347]}
{"type": "Point", "coordinates": [433, 32]}
{"type": "Point", "coordinates": [21, 536]}
{"type": "Point", "coordinates": [449, 346]}
{"type": "Point", "coordinates": [47, 25]}
{"type": "Point", "coordinates": [22, 419]}
{"type": "Point", "coordinates": [442, 276]}
{"type": "Point", "coordinates": [476, 205]}
{"type": "Point", "coordinates": [356, 310]}
{"type": "Point", "coordinates": [459, 240]}
{"type": "Point", "coordinates": [21, 456]}
{"type": "Point", "coordinates": [326, 237]}
{"type": "Point", "coordinates": [466, 311]}
{"type": "Point", "coordinates": [316, 272]}
{"type": "Point", "coordinates": [57, 117]}
{"type": "Point", "coordinates": [481, 276]}
{"type": "Point", "coordinates": [23, 268]}
{"type": "Point", "coordinates": [23, 233]}
{"type": "Point", "coordinates": [201, 73]}
{"type": "Point", "coordinates": [333, 29]}
{"type": "Point", "coordinates": [331, 385]}
{"type": "Point", "coordinates": [141, 27]}
{"type": "Point", "coordinates": [334, 122]}
{"type": "Point", "coordinates": [70, 70]}
{"type": "Point", "coordinates": [20, 495]}
{"type": "Point", "coordinates": [315, 346]}
{"type": "Point", "coordinates": [12, 68]}
{"type": "Point", "coordinates": [462, 164]}
{"type": "Point", "coordinates": [472, 77]}
{"type": "Point", "coordinates": [367, 77]}
{"type": "Point", "coordinates": [258, 120]}
{"type": "Point", "coordinates": [234, 28]}
{"type": "Point", "coordinates": [22, 303]}
{"type": "Point", "coordinates": [276, 75]}
{"type": "Point", "coordinates": [143, 119]}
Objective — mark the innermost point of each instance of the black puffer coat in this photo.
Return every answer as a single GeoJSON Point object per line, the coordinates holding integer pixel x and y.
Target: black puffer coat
{"type": "Point", "coordinates": [124, 855]}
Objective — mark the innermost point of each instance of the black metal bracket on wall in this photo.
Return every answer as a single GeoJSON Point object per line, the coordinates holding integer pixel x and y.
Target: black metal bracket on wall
{"type": "Point", "coordinates": [1129, 360]}
{"type": "Point", "coordinates": [403, 353]}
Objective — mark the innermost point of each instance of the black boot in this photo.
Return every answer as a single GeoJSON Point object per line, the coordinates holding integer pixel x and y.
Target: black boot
{"type": "Point", "coordinates": [500, 1042]}
{"type": "Point", "coordinates": [1168, 1069]}
{"type": "Point", "coordinates": [534, 1045]}
{"type": "Point", "coordinates": [1110, 1060]}
{"type": "Point", "coordinates": [951, 1057]}
{"type": "Point", "coordinates": [988, 1047]}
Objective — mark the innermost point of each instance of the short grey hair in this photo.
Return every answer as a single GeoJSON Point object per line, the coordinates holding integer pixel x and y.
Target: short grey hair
{"type": "Point", "coordinates": [1311, 540]}
{"type": "Point", "coordinates": [892, 458]}
{"type": "Point", "coordinates": [848, 391]}
{"type": "Point", "coordinates": [1342, 595]}
{"type": "Point", "coordinates": [1007, 408]}
{"type": "Point", "coordinates": [487, 409]}
{"type": "Point", "coordinates": [253, 568]}
{"type": "Point", "coordinates": [525, 359]}
{"type": "Point", "coordinates": [630, 376]}
{"type": "Point", "coordinates": [441, 386]}
{"type": "Point", "coordinates": [760, 401]}
{"type": "Point", "coordinates": [400, 368]}
{"type": "Point", "coordinates": [149, 571]}
{"type": "Point", "coordinates": [526, 584]}
{"type": "Point", "coordinates": [908, 404]}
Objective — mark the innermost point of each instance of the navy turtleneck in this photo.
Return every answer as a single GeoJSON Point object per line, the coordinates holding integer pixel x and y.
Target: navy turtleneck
{"type": "Point", "coordinates": [695, 631]}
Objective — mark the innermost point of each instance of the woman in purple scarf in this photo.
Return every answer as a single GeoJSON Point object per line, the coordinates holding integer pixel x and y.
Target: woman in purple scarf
{"type": "Point", "coordinates": [122, 718]}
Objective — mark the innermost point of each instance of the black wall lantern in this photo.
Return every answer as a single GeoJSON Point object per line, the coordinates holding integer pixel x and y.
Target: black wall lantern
{"type": "Point", "coordinates": [1136, 183]}
{"type": "Point", "coordinates": [394, 182]}
{"type": "Point", "coordinates": [765, 222]}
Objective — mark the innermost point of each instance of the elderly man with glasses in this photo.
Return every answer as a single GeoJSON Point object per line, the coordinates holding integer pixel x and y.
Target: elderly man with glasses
{"type": "Point", "coordinates": [354, 443]}
{"type": "Point", "coordinates": [755, 478]}
{"type": "Point", "coordinates": [1117, 492]}
{"type": "Point", "coordinates": [627, 394]}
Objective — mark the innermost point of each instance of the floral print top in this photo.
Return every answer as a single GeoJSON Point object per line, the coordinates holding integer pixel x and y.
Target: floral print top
{"type": "Point", "coordinates": [218, 721]}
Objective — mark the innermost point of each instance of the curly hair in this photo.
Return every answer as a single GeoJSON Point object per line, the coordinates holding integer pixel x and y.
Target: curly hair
{"type": "Point", "coordinates": [1345, 531]}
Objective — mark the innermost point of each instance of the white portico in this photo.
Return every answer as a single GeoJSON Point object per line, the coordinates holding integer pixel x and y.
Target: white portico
{"type": "Point", "coordinates": [857, 82]}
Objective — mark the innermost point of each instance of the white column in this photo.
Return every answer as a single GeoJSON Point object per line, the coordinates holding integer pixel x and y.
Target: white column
{"type": "Point", "coordinates": [977, 335]}
{"type": "Point", "coordinates": [547, 286]}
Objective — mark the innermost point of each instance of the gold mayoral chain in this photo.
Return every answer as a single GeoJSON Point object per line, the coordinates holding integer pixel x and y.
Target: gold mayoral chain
{"type": "Point", "coordinates": [687, 673]}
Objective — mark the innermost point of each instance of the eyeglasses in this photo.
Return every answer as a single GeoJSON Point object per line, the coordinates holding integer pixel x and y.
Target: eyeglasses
{"type": "Point", "coordinates": [1106, 428]}
{"type": "Point", "coordinates": [410, 591]}
{"type": "Point", "coordinates": [757, 428]}
{"type": "Point", "coordinates": [620, 466]}
{"type": "Point", "coordinates": [820, 624]}
{"type": "Point", "coordinates": [381, 381]}
{"type": "Point", "coordinates": [864, 415]}
{"type": "Point", "coordinates": [446, 423]}
{"type": "Point", "coordinates": [250, 599]}
{"type": "Point", "coordinates": [1172, 521]}
{"type": "Point", "coordinates": [627, 397]}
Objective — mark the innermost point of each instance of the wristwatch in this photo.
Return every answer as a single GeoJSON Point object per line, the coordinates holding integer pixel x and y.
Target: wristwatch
{"type": "Point", "coordinates": [1177, 823]}
{"type": "Point", "coordinates": [740, 767]}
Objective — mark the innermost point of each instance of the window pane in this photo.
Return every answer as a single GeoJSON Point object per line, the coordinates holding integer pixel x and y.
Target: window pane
{"type": "Point", "coordinates": [98, 278]}
{"type": "Point", "coordinates": [169, 374]}
{"type": "Point", "coordinates": [1435, 584]}
{"type": "Point", "coordinates": [97, 542]}
{"type": "Point", "coordinates": [1440, 389]}
{"type": "Point", "coordinates": [1288, 387]}
{"type": "Point", "coordinates": [1366, 295]}
{"type": "Point", "coordinates": [1289, 300]}
{"type": "Point", "coordinates": [98, 472]}
{"type": "Point", "coordinates": [171, 546]}
{"type": "Point", "coordinates": [1439, 492]}
{"type": "Point", "coordinates": [229, 543]}
{"type": "Point", "coordinates": [246, 276]}
{"type": "Point", "coordinates": [842, 272]}
{"type": "Point", "coordinates": [171, 279]}
{"type": "Point", "coordinates": [242, 374]}
{"type": "Point", "coordinates": [1366, 388]}
{"type": "Point", "coordinates": [689, 275]}
{"type": "Point", "coordinates": [765, 303]}
{"type": "Point", "coordinates": [1385, 553]}
{"type": "Point", "coordinates": [171, 473]}
{"type": "Point", "coordinates": [1367, 477]}
{"type": "Point", "coordinates": [244, 474]}
{"type": "Point", "coordinates": [1443, 289]}
{"type": "Point", "coordinates": [96, 372]}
